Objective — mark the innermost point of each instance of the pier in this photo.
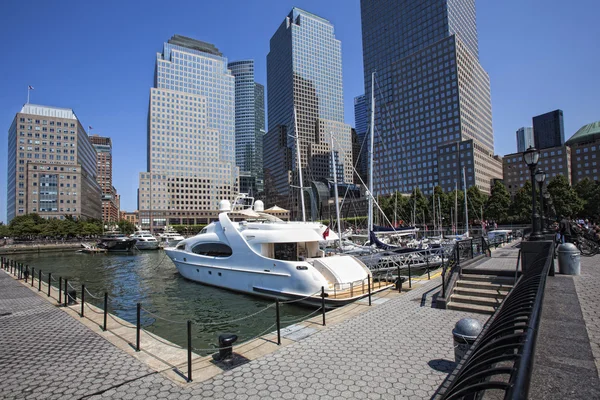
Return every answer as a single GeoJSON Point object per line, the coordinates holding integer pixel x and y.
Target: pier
{"type": "Point", "coordinates": [401, 347]}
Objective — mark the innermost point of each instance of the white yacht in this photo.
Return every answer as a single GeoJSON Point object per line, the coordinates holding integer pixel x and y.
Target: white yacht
{"type": "Point", "coordinates": [266, 256]}
{"type": "Point", "coordinates": [170, 237]}
{"type": "Point", "coordinates": [144, 240]}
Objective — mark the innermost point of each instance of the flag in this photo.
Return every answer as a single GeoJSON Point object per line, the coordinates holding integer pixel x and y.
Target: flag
{"type": "Point", "coordinates": [30, 87]}
{"type": "Point", "coordinates": [90, 127]}
{"type": "Point", "coordinates": [326, 233]}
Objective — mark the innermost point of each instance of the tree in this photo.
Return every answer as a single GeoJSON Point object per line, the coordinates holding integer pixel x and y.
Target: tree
{"type": "Point", "coordinates": [126, 227]}
{"type": "Point", "coordinates": [564, 197]}
{"type": "Point", "coordinates": [4, 231]}
{"type": "Point", "coordinates": [422, 205]}
{"type": "Point", "coordinates": [475, 202]}
{"type": "Point", "coordinates": [589, 192]}
{"type": "Point", "coordinates": [520, 208]}
{"type": "Point", "coordinates": [498, 205]}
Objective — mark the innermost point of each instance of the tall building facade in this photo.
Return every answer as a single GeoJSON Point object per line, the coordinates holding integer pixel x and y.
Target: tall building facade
{"type": "Point", "coordinates": [361, 124]}
{"type": "Point", "coordinates": [51, 165]}
{"type": "Point", "coordinates": [249, 125]}
{"type": "Point", "coordinates": [110, 199]}
{"type": "Point", "coordinates": [549, 130]}
{"type": "Point", "coordinates": [191, 136]}
{"type": "Point", "coordinates": [585, 152]}
{"type": "Point", "coordinates": [304, 73]}
{"type": "Point", "coordinates": [431, 93]}
{"type": "Point", "coordinates": [525, 139]}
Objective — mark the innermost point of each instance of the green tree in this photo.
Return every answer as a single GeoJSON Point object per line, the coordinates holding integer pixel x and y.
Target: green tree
{"type": "Point", "coordinates": [589, 192]}
{"type": "Point", "coordinates": [475, 202]}
{"type": "Point", "coordinates": [520, 208]}
{"type": "Point", "coordinates": [422, 206]}
{"type": "Point", "coordinates": [498, 205]}
{"type": "Point", "coordinates": [4, 231]}
{"type": "Point", "coordinates": [564, 197]}
{"type": "Point", "coordinates": [126, 227]}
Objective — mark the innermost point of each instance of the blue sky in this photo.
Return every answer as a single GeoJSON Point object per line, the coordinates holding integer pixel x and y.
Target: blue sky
{"type": "Point", "coordinates": [98, 58]}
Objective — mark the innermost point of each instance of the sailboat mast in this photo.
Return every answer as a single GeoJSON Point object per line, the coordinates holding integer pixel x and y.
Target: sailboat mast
{"type": "Point", "coordinates": [299, 165]}
{"type": "Point", "coordinates": [337, 205]}
{"type": "Point", "coordinates": [395, 208]}
{"type": "Point", "coordinates": [370, 222]}
{"type": "Point", "coordinates": [466, 208]}
{"type": "Point", "coordinates": [440, 217]}
{"type": "Point", "coordinates": [433, 212]}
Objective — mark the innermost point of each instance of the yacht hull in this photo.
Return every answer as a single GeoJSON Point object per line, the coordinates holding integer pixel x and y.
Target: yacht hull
{"type": "Point", "coordinates": [142, 245]}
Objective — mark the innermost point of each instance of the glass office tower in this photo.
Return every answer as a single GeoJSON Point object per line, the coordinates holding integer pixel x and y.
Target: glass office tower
{"type": "Point", "coordinates": [525, 139]}
{"type": "Point", "coordinates": [361, 124]}
{"type": "Point", "coordinates": [191, 135]}
{"type": "Point", "coordinates": [304, 71]}
{"type": "Point", "coordinates": [549, 130]}
{"type": "Point", "coordinates": [249, 126]}
{"type": "Point", "coordinates": [433, 111]}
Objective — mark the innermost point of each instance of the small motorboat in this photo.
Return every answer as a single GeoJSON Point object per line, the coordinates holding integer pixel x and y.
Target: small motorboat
{"type": "Point", "coordinates": [116, 243]}
{"type": "Point", "coordinates": [144, 240]}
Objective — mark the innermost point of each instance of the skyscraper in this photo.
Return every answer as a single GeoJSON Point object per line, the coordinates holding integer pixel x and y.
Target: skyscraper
{"type": "Point", "coordinates": [110, 203]}
{"type": "Point", "coordinates": [191, 135]}
{"type": "Point", "coordinates": [51, 165]}
{"type": "Point", "coordinates": [361, 124]}
{"type": "Point", "coordinates": [549, 130]}
{"type": "Point", "coordinates": [304, 72]}
{"type": "Point", "coordinates": [433, 112]}
{"type": "Point", "coordinates": [525, 139]}
{"type": "Point", "coordinates": [249, 125]}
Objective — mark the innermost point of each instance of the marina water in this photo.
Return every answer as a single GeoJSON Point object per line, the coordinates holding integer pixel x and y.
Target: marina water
{"type": "Point", "coordinates": [151, 278]}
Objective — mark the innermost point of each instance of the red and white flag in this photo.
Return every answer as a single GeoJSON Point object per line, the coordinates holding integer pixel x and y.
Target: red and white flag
{"type": "Point", "coordinates": [326, 233]}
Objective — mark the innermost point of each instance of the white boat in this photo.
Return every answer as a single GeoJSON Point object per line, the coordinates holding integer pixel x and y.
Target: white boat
{"type": "Point", "coordinates": [144, 240]}
{"type": "Point", "coordinates": [268, 257]}
{"type": "Point", "coordinates": [170, 237]}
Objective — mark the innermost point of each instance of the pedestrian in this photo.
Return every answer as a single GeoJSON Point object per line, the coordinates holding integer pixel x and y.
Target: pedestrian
{"type": "Point", "coordinates": [565, 229]}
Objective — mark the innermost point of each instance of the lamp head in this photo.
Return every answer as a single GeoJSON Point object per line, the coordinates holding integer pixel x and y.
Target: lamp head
{"type": "Point", "coordinates": [531, 156]}
{"type": "Point", "coordinates": [540, 176]}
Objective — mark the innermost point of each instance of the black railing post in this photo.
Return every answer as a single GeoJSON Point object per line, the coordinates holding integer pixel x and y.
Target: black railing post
{"type": "Point", "coordinates": [369, 284]}
{"type": "Point", "coordinates": [189, 350]}
{"type": "Point", "coordinates": [323, 303]}
{"type": "Point", "coordinates": [82, 300]}
{"type": "Point", "coordinates": [138, 327]}
{"type": "Point", "coordinates": [399, 281]}
{"type": "Point", "coordinates": [59, 290]}
{"type": "Point", "coordinates": [26, 273]}
{"type": "Point", "coordinates": [32, 275]}
{"type": "Point", "coordinates": [40, 280]}
{"type": "Point", "coordinates": [105, 310]}
{"type": "Point", "coordinates": [409, 277]}
{"type": "Point", "coordinates": [49, 283]}
{"type": "Point", "coordinates": [277, 321]}
{"type": "Point", "coordinates": [427, 261]}
{"type": "Point", "coordinates": [66, 292]}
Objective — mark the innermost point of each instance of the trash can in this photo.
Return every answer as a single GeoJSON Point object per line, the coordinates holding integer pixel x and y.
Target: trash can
{"type": "Point", "coordinates": [465, 332]}
{"type": "Point", "coordinates": [569, 262]}
{"type": "Point", "coordinates": [226, 341]}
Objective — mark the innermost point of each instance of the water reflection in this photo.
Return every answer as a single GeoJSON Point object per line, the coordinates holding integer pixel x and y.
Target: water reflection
{"type": "Point", "coordinates": [151, 278]}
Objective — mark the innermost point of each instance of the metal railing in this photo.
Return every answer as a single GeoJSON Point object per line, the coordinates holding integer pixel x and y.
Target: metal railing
{"type": "Point", "coordinates": [501, 359]}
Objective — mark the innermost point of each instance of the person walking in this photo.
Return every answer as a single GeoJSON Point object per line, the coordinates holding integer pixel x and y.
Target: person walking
{"type": "Point", "coordinates": [565, 230]}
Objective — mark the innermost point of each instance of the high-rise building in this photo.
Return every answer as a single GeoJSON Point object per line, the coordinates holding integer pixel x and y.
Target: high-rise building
{"type": "Point", "coordinates": [191, 136]}
{"type": "Point", "coordinates": [585, 152]}
{"type": "Point", "coordinates": [249, 125]}
{"type": "Point", "coordinates": [361, 124]}
{"type": "Point", "coordinates": [549, 130]}
{"type": "Point", "coordinates": [525, 139]}
{"type": "Point", "coordinates": [431, 95]}
{"type": "Point", "coordinates": [51, 165]}
{"type": "Point", "coordinates": [110, 201]}
{"type": "Point", "coordinates": [304, 72]}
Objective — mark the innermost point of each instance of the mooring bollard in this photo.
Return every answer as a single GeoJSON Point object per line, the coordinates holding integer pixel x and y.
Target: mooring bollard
{"type": "Point", "coordinates": [59, 290]}
{"type": "Point", "coordinates": [189, 349]}
{"type": "Point", "coordinates": [49, 283]}
{"type": "Point", "coordinates": [277, 321]}
{"type": "Point", "coordinates": [138, 327]}
{"type": "Point", "coordinates": [82, 299]}
{"type": "Point", "coordinates": [105, 309]}
{"type": "Point", "coordinates": [40, 280]}
{"type": "Point", "coordinates": [323, 302]}
{"type": "Point", "coordinates": [369, 287]}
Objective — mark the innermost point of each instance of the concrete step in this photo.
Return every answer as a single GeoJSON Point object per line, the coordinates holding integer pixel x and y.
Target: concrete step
{"type": "Point", "coordinates": [493, 293]}
{"type": "Point", "coordinates": [476, 300]}
{"type": "Point", "coordinates": [488, 278]}
{"type": "Point", "coordinates": [483, 271]}
{"type": "Point", "coordinates": [483, 285]}
{"type": "Point", "coordinates": [471, 308]}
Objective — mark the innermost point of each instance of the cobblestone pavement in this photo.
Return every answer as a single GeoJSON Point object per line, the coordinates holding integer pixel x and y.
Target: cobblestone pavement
{"type": "Point", "coordinates": [401, 349]}
{"type": "Point", "coordinates": [588, 291]}
{"type": "Point", "coordinates": [47, 354]}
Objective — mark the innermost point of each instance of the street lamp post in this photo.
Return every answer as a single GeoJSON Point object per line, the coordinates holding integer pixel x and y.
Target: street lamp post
{"type": "Point", "coordinates": [548, 210]}
{"type": "Point", "coordinates": [540, 177]}
{"type": "Point", "coordinates": [531, 157]}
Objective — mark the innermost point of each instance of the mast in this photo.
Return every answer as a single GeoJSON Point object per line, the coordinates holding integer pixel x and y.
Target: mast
{"type": "Point", "coordinates": [455, 207]}
{"type": "Point", "coordinates": [440, 217]}
{"type": "Point", "coordinates": [414, 209]}
{"type": "Point", "coordinates": [370, 221]}
{"type": "Point", "coordinates": [299, 165]}
{"type": "Point", "coordinates": [395, 208]}
{"type": "Point", "coordinates": [466, 208]}
{"type": "Point", "coordinates": [433, 212]}
{"type": "Point", "coordinates": [337, 205]}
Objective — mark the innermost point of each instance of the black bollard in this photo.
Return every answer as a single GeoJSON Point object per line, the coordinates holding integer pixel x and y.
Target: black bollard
{"type": "Point", "coordinates": [138, 327]}
{"type": "Point", "coordinates": [82, 300]}
{"type": "Point", "coordinates": [49, 283]}
{"type": "Point", "coordinates": [409, 277]}
{"type": "Point", "coordinates": [32, 275]}
{"type": "Point", "coordinates": [105, 309]}
{"type": "Point", "coordinates": [369, 286]}
{"type": "Point", "coordinates": [59, 290]}
{"type": "Point", "coordinates": [40, 280]}
{"type": "Point", "coordinates": [399, 281]}
{"type": "Point", "coordinates": [66, 292]}
{"type": "Point", "coordinates": [277, 321]}
{"type": "Point", "coordinates": [189, 350]}
{"type": "Point", "coordinates": [323, 303]}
